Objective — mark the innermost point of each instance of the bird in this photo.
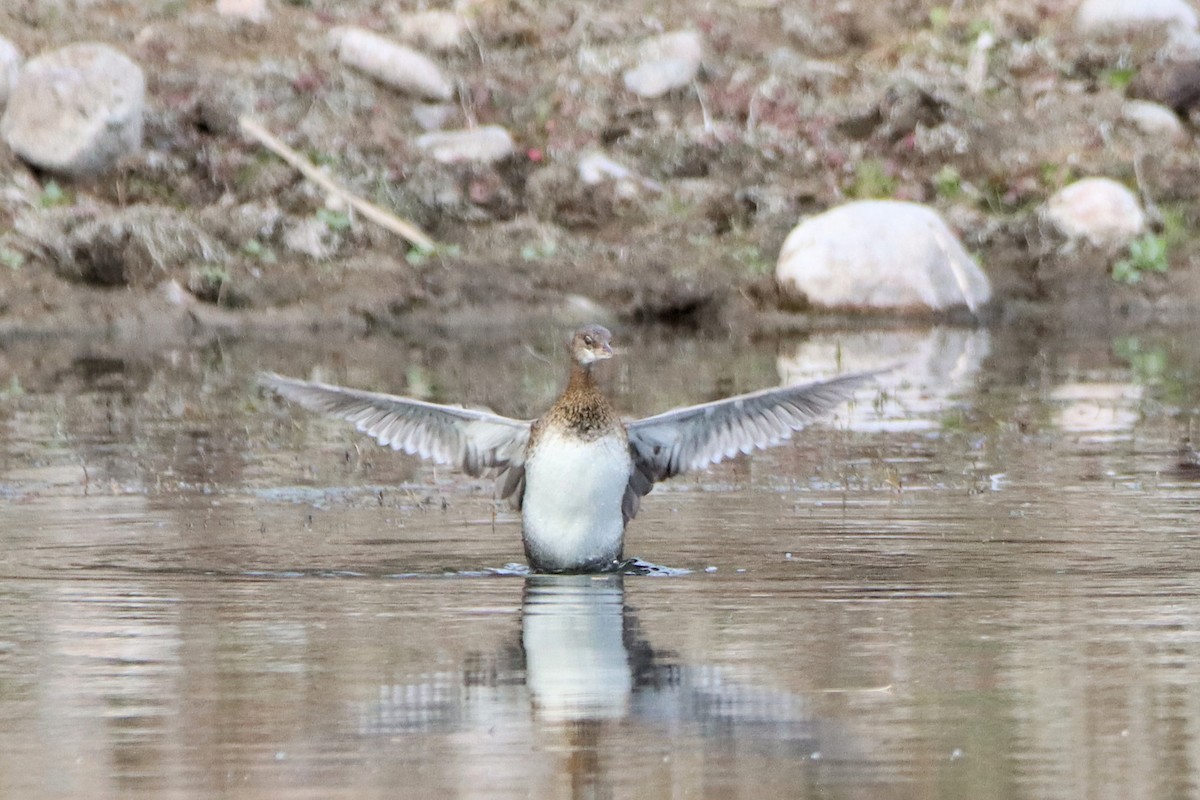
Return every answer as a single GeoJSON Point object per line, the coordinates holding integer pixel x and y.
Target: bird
{"type": "Point", "coordinates": [577, 474]}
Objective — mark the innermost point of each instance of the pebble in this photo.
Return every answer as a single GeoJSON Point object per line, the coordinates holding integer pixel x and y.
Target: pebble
{"type": "Point", "coordinates": [1099, 17]}
{"type": "Point", "coordinates": [1098, 210]}
{"type": "Point", "coordinates": [479, 145]}
{"type": "Point", "coordinates": [433, 116]}
{"type": "Point", "coordinates": [667, 62]}
{"type": "Point", "coordinates": [76, 110]}
{"type": "Point", "coordinates": [392, 64]}
{"type": "Point", "coordinates": [1154, 120]}
{"type": "Point", "coordinates": [249, 10]}
{"type": "Point", "coordinates": [880, 254]}
{"type": "Point", "coordinates": [10, 66]}
{"type": "Point", "coordinates": [596, 168]}
{"type": "Point", "coordinates": [439, 31]}
{"type": "Point", "coordinates": [311, 237]}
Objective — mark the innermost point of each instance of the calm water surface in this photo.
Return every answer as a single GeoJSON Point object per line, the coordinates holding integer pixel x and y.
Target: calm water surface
{"type": "Point", "coordinates": [981, 579]}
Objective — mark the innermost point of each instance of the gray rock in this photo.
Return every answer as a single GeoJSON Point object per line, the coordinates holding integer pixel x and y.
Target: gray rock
{"type": "Point", "coordinates": [10, 66]}
{"type": "Point", "coordinates": [433, 116]}
{"type": "Point", "coordinates": [1097, 210]}
{"type": "Point", "coordinates": [76, 110]}
{"type": "Point", "coordinates": [595, 168]}
{"type": "Point", "coordinates": [1154, 120]}
{"type": "Point", "coordinates": [666, 62]}
{"type": "Point", "coordinates": [1101, 17]}
{"type": "Point", "coordinates": [393, 64]}
{"type": "Point", "coordinates": [480, 145]}
{"type": "Point", "coordinates": [250, 10]}
{"type": "Point", "coordinates": [877, 255]}
{"type": "Point", "coordinates": [440, 31]}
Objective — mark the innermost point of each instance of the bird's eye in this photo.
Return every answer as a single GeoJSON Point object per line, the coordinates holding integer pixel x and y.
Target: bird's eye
{"type": "Point", "coordinates": [588, 341]}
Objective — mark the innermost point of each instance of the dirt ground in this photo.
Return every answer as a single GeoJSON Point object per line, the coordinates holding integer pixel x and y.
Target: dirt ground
{"type": "Point", "coordinates": [799, 106]}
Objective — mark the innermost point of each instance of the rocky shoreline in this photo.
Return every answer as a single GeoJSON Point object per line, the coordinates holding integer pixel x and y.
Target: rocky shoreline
{"type": "Point", "coordinates": [616, 163]}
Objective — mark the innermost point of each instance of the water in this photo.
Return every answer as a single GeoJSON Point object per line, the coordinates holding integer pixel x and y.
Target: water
{"type": "Point", "coordinates": [981, 580]}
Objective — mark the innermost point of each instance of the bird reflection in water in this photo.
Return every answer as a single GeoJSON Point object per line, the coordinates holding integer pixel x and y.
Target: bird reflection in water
{"type": "Point", "coordinates": [583, 668]}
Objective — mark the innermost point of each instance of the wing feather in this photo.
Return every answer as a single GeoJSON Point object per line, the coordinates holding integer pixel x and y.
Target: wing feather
{"type": "Point", "coordinates": [477, 442]}
{"type": "Point", "coordinates": [691, 438]}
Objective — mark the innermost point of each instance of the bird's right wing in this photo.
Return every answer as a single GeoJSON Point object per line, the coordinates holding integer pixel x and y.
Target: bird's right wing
{"type": "Point", "coordinates": [477, 442]}
{"type": "Point", "coordinates": [686, 439]}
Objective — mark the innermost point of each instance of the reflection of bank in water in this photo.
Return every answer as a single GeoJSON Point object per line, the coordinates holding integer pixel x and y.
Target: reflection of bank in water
{"type": "Point", "coordinates": [933, 370]}
{"type": "Point", "coordinates": [584, 676]}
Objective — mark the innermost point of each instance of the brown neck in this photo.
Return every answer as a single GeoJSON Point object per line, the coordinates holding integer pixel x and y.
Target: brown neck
{"type": "Point", "coordinates": [581, 380]}
{"type": "Point", "coordinates": [582, 406]}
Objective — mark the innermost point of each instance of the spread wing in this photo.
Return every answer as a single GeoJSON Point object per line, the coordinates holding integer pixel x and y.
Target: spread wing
{"type": "Point", "coordinates": [477, 442]}
{"type": "Point", "coordinates": [686, 439]}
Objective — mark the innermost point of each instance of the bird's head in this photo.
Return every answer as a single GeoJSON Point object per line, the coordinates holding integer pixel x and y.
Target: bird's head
{"type": "Point", "coordinates": [590, 344]}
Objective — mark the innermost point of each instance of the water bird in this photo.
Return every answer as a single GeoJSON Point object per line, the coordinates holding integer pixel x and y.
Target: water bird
{"type": "Point", "coordinates": [577, 473]}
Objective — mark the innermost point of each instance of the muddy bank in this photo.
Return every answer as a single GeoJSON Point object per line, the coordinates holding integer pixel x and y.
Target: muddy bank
{"type": "Point", "coordinates": [795, 108]}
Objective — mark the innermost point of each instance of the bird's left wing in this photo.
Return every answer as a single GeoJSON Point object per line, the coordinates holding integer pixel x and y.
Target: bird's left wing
{"type": "Point", "coordinates": [691, 438]}
{"type": "Point", "coordinates": [477, 442]}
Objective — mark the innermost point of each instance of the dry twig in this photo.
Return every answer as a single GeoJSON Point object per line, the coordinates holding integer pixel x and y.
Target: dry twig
{"type": "Point", "coordinates": [369, 210]}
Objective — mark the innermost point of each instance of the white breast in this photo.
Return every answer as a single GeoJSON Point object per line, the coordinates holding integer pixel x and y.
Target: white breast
{"type": "Point", "coordinates": [571, 514]}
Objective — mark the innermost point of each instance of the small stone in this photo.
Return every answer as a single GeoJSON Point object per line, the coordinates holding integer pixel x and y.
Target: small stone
{"type": "Point", "coordinates": [313, 238]}
{"type": "Point", "coordinates": [249, 10]}
{"type": "Point", "coordinates": [77, 110]}
{"type": "Point", "coordinates": [479, 145]}
{"type": "Point", "coordinates": [665, 63]}
{"type": "Point", "coordinates": [1098, 210]}
{"type": "Point", "coordinates": [1154, 120]}
{"type": "Point", "coordinates": [393, 64]}
{"type": "Point", "coordinates": [880, 254]}
{"type": "Point", "coordinates": [596, 168]}
{"type": "Point", "coordinates": [440, 31]}
{"type": "Point", "coordinates": [10, 66]}
{"type": "Point", "coordinates": [1101, 17]}
{"type": "Point", "coordinates": [433, 116]}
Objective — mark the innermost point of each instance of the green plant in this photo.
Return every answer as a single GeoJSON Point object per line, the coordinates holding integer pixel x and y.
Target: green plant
{"type": "Point", "coordinates": [417, 256]}
{"type": "Point", "coordinates": [257, 250]}
{"type": "Point", "coordinates": [1149, 362]}
{"type": "Point", "coordinates": [948, 182]}
{"type": "Point", "coordinates": [334, 220]}
{"type": "Point", "coordinates": [53, 195]}
{"type": "Point", "coordinates": [536, 251]}
{"type": "Point", "coordinates": [751, 260]}
{"type": "Point", "coordinates": [871, 180]}
{"type": "Point", "coordinates": [1118, 77]}
{"type": "Point", "coordinates": [13, 259]}
{"type": "Point", "coordinates": [1147, 253]}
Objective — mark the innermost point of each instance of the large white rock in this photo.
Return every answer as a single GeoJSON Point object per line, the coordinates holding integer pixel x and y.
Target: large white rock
{"type": "Point", "coordinates": [76, 110]}
{"type": "Point", "coordinates": [393, 64]}
{"type": "Point", "coordinates": [880, 254]}
{"type": "Point", "coordinates": [666, 62]}
{"type": "Point", "coordinates": [480, 145]}
{"type": "Point", "coordinates": [1120, 16]}
{"type": "Point", "coordinates": [10, 66]}
{"type": "Point", "coordinates": [1098, 210]}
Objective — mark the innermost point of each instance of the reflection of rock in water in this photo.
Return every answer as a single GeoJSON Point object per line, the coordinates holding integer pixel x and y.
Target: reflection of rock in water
{"type": "Point", "coordinates": [583, 664]}
{"type": "Point", "coordinates": [1097, 412]}
{"type": "Point", "coordinates": [932, 368]}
